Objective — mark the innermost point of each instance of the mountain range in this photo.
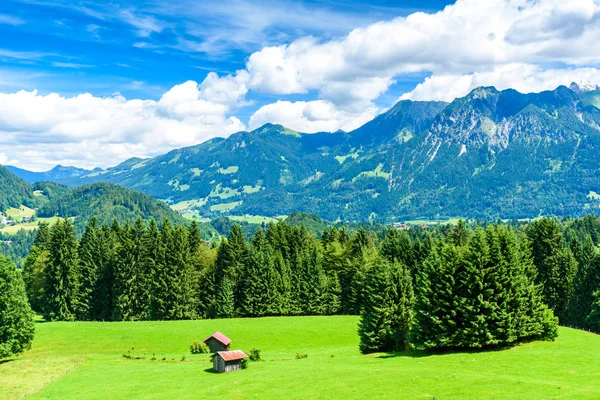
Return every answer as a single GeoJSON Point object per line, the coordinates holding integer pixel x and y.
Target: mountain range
{"type": "Point", "coordinates": [57, 173]}
{"type": "Point", "coordinates": [491, 154]}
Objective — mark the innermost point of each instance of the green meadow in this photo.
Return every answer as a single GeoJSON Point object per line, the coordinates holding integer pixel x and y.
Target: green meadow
{"type": "Point", "coordinates": [84, 360]}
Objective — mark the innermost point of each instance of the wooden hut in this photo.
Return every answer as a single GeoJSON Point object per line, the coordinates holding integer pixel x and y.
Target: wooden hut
{"type": "Point", "coordinates": [228, 361]}
{"type": "Point", "coordinates": [217, 342]}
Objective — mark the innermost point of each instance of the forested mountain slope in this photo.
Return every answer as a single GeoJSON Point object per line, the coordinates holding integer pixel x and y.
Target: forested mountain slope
{"type": "Point", "coordinates": [489, 154]}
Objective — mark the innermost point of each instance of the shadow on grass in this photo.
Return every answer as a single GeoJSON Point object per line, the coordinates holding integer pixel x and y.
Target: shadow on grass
{"type": "Point", "coordinates": [211, 371]}
{"type": "Point", "coordinates": [428, 353]}
{"type": "Point", "coordinates": [6, 361]}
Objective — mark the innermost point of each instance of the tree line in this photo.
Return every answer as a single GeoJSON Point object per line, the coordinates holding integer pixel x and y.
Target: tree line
{"type": "Point", "coordinates": [447, 288]}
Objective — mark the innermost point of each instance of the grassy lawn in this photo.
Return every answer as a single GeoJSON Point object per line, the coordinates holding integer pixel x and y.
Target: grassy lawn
{"type": "Point", "coordinates": [84, 361]}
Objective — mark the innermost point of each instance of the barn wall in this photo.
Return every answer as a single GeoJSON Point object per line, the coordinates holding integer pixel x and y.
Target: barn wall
{"type": "Point", "coordinates": [215, 346]}
{"type": "Point", "coordinates": [233, 366]}
{"type": "Point", "coordinates": [218, 364]}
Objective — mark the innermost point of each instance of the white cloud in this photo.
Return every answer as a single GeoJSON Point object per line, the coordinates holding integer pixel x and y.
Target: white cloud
{"type": "Point", "coordinates": [530, 45]}
{"type": "Point", "coordinates": [39, 131]}
{"type": "Point", "coordinates": [310, 116]}
{"type": "Point", "coordinates": [521, 77]}
{"type": "Point", "coordinates": [469, 36]}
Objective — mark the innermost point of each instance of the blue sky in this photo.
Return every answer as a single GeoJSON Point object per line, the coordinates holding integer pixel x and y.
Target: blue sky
{"type": "Point", "coordinates": [143, 48]}
{"type": "Point", "coordinates": [92, 83]}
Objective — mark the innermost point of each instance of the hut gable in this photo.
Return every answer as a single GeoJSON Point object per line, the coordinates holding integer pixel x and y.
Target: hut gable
{"type": "Point", "coordinates": [217, 342]}
{"type": "Point", "coordinates": [228, 361]}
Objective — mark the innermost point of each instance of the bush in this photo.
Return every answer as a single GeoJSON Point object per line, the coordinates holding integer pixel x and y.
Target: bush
{"type": "Point", "coordinates": [300, 356]}
{"type": "Point", "coordinates": [199, 348]}
{"type": "Point", "coordinates": [255, 355]}
{"type": "Point", "coordinates": [244, 363]}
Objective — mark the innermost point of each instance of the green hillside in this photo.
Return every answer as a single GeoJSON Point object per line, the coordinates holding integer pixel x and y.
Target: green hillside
{"type": "Point", "coordinates": [14, 191]}
{"type": "Point", "coordinates": [491, 154]}
{"type": "Point", "coordinates": [84, 360]}
{"type": "Point", "coordinates": [107, 202]}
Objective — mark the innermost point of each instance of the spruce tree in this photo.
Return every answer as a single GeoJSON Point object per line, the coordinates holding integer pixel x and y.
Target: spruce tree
{"type": "Point", "coordinates": [17, 326]}
{"type": "Point", "coordinates": [131, 288]}
{"type": "Point", "coordinates": [61, 274]}
{"type": "Point", "coordinates": [436, 303]}
{"type": "Point", "coordinates": [586, 281]}
{"type": "Point", "coordinates": [152, 259]}
{"type": "Point", "coordinates": [258, 281]}
{"type": "Point", "coordinates": [387, 310]}
{"type": "Point", "coordinates": [593, 319]}
{"type": "Point", "coordinates": [397, 247]}
{"type": "Point", "coordinates": [34, 267]}
{"type": "Point", "coordinates": [224, 305]}
{"type": "Point", "coordinates": [104, 256]}
{"type": "Point", "coordinates": [88, 271]}
{"type": "Point", "coordinates": [556, 265]}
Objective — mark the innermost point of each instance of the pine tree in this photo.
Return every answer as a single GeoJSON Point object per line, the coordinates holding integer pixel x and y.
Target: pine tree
{"type": "Point", "coordinates": [436, 303]}
{"type": "Point", "coordinates": [17, 326]}
{"type": "Point", "coordinates": [556, 265]}
{"type": "Point", "coordinates": [88, 271]}
{"type": "Point", "coordinates": [34, 267]}
{"type": "Point", "coordinates": [61, 274]}
{"type": "Point", "coordinates": [229, 261]}
{"type": "Point", "coordinates": [131, 296]}
{"type": "Point", "coordinates": [586, 281]}
{"type": "Point", "coordinates": [104, 256]}
{"type": "Point", "coordinates": [387, 311]}
{"type": "Point", "coordinates": [593, 319]}
{"type": "Point", "coordinates": [224, 305]}
{"type": "Point", "coordinates": [152, 259]}
{"type": "Point", "coordinates": [397, 247]}
{"type": "Point", "coordinates": [459, 235]}
{"type": "Point", "coordinates": [258, 280]}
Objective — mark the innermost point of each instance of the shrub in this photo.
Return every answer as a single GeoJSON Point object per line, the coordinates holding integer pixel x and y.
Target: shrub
{"type": "Point", "coordinates": [255, 355]}
{"type": "Point", "coordinates": [199, 348]}
{"type": "Point", "coordinates": [244, 363]}
{"type": "Point", "coordinates": [300, 356]}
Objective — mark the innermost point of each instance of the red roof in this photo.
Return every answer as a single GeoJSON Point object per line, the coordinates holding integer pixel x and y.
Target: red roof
{"type": "Point", "coordinates": [232, 355]}
{"type": "Point", "coordinates": [220, 337]}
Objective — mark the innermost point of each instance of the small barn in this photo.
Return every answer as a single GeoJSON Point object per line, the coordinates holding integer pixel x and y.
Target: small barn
{"type": "Point", "coordinates": [217, 342]}
{"type": "Point", "coordinates": [228, 361]}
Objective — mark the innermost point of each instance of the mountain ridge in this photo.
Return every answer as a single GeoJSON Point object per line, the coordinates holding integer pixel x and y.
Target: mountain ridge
{"type": "Point", "coordinates": [490, 154]}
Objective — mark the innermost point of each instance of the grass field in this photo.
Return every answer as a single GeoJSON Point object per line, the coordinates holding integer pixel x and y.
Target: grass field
{"type": "Point", "coordinates": [84, 361]}
{"type": "Point", "coordinates": [28, 226]}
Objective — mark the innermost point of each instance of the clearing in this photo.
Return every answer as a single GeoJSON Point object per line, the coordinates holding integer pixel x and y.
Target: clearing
{"type": "Point", "coordinates": [84, 360]}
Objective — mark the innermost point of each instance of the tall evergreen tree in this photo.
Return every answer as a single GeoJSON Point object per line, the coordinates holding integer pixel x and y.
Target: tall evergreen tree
{"type": "Point", "coordinates": [586, 281]}
{"type": "Point", "coordinates": [556, 265]}
{"type": "Point", "coordinates": [224, 305]}
{"type": "Point", "coordinates": [397, 247]}
{"type": "Point", "coordinates": [131, 289]}
{"type": "Point", "coordinates": [593, 319]}
{"type": "Point", "coordinates": [88, 271]}
{"type": "Point", "coordinates": [386, 316]}
{"type": "Point", "coordinates": [34, 267]}
{"type": "Point", "coordinates": [152, 259]}
{"type": "Point", "coordinates": [17, 326]}
{"type": "Point", "coordinates": [61, 273]}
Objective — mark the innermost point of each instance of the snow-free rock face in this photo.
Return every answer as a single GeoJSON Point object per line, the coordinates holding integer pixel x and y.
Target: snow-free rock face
{"type": "Point", "coordinates": [489, 154]}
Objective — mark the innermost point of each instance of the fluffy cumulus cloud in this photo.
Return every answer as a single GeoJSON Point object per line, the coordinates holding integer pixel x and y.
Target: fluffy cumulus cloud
{"type": "Point", "coordinates": [522, 77]}
{"type": "Point", "coordinates": [310, 116]}
{"type": "Point", "coordinates": [525, 44]}
{"type": "Point", "coordinates": [39, 131]}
